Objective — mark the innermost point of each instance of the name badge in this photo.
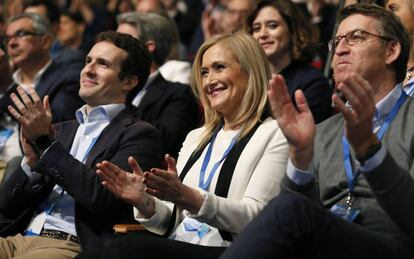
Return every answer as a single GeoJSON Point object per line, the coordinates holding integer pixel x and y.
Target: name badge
{"type": "Point", "coordinates": [193, 231]}
{"type": "Point", "coordinates": [345, 212]}
{"type": "Point", "coordinates": [36, 224]}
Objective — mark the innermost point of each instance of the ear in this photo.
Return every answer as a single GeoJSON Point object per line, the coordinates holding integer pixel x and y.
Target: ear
{"type": "Point", "coordinates": [47, 41]}
{"type": "Point", "coordinates": [151, 46]}
{"type": "Point", "coordinates": [393, 51]}
{"type": "Point", "coordinates": [129, 82]}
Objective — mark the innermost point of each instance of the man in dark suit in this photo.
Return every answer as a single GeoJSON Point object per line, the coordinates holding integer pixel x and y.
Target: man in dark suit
{"type": "Point", "coordinates": [55, 199]}
{"type": "Point", "coordinates": [28, 40]}
{"type": "Point", "coordinates": [171, 107]}
{"type": "Point", "coordinates": [349, 188]}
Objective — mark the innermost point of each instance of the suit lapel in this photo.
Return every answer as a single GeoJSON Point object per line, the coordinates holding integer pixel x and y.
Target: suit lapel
{"type": "Point", "coordinates": [66, 133]}
{"type": "Point", "coordinates": [154, 91]}
{"type": "Point", "coordinates": [46, 82]}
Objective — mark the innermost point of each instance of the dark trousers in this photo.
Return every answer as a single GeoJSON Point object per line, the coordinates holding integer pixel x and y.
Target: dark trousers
{"type": "Point", "coordinates": [142, 244]}
{"type": "Point", "coordinates": [292, 226]}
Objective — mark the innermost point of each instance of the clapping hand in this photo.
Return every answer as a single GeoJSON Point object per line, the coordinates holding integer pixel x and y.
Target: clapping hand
{"type": "Point", "coordinates": [139, 188]}
{"type": "Point", "coordinates": [127, 186]}
{"type": "Point", "coordinates": [165, 185]}
{"type": "Point", "coordinates": [34, 116]}
{"type": "Point", "coordinates": [359, 113]}
{"type": "Point", "coordinates": [297, 124]}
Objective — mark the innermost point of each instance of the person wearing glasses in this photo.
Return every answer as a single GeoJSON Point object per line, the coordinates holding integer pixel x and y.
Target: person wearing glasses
{"type": "Point", "coordinates": [349, 187]}
{"type": "Point", "coordinates": [27, 40]}
{"type": "Point", "coordinates": [289, 41]}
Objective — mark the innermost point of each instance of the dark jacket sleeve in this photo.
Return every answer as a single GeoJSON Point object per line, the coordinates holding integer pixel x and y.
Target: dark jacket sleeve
{"type": "Point", "coordinates": [393, 188]}
{"type": "Point", "coordinates": [139, 140]}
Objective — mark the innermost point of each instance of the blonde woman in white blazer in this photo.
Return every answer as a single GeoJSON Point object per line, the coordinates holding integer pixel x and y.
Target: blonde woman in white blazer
{"type": "Point", "coordinates": [226, 171]}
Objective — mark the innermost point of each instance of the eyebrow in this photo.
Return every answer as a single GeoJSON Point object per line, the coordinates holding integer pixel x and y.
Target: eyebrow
{"type": "Point", "coordinates": [216, 63]}
{"type": "Point", "coordinates": [100, 60]}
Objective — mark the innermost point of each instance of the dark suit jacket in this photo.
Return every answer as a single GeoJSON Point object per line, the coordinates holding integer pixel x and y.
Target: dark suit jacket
{"type": "Point", "coordinates": [96, 209]}
{"type": "Point", "coordinates": [173, 109]}
{"type": "Point", "coordinates": [61, 84]}
{"type": "Point", "coordinates": [314, 85]}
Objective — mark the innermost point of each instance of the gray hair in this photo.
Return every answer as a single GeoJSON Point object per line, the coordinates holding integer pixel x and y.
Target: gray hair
{"type": "Point", "coordinates": [40, 23]}
{"type": "Point", "coordinates": [152, 26]}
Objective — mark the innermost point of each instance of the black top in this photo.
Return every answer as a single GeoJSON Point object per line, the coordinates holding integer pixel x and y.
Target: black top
{"type": "Point", "coordinates": [314, 85]}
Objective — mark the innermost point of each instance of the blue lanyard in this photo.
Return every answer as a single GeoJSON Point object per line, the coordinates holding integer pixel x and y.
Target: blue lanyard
{"type": "Point", "coordinates": [207, 157]}
{"type": "Point", "coordinates": [380, 134]}
{"type": "Point", "coordinates": [89, 149]}
{"type": "Point", "coordinates": [49, 209]}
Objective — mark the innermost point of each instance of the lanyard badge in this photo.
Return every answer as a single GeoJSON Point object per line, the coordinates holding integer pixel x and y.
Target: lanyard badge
{"type": "Point", "coordinates": [346, 211]}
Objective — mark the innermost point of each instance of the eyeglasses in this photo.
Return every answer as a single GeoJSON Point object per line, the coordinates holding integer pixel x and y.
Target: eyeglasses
{"type": "Point", "coordinates": [354, 37]}
{"type": "Point", "coordinates": [20, 34]}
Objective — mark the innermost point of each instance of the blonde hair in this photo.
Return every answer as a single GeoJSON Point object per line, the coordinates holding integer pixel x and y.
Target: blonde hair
{"type": "Point", "coordinates": [253, 62]}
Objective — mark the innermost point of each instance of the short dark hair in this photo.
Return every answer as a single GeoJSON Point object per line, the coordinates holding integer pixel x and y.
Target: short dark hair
{"type": "Point", "coordinates": [390, 27]}
{"type": "Point", "coordinates": [138, 60]}
{"type": "Point", "coordinates": [52, 10]}
{"type": "Point", "coordinates": [303, 35]}
{"type": "Point", "coordinates": [74, 16]}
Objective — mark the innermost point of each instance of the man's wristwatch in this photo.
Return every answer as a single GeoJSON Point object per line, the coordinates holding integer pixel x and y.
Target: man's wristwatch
{"type": "Point", "coordinates": [42, 143]}
{"type": "Point", "coordinates": [372, 150]}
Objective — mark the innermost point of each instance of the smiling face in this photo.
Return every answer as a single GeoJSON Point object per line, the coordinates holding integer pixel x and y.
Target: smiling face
{"type": "Point", "coordinates": [367, 58]}
{"type": "Point", "coordinates": [272, 32]}
{"type": "Point", "coordinates": [223, 81]}
{"type": "Point", "coordinates": [100, 83]}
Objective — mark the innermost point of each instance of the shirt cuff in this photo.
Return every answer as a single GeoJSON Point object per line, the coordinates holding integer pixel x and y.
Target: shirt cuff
{"type": "Point", "coordinates": [374, 161]}
{"type": "Point", "coordinates": [33, 176]}
{"type": "Point", "coordinates": [298, 176]}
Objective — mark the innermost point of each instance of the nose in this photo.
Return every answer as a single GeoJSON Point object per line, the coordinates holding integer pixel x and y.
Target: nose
{"type": "Point", "coordinates": [342, 47]}
{"type": "Point", "coordinates": [263, 32]}
{"type": "Point", "coordinates": [89, 69]}
{"type": "Point", "coordinates": [209, 80]}
{"type": "Point", "coordinates": [12, 42]}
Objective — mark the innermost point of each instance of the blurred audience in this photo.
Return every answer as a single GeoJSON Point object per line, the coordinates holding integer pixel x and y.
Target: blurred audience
{"type": "Point", "coordinates": [59, 53]}
{"type": "Point", "coordinates": [230, 17]}
{"type": "Point", "coordinates": [289, 41]}
{"type": "Point", "coordinates": [72, 32]}
{"type": "Point", "coordinates": [28, 40]}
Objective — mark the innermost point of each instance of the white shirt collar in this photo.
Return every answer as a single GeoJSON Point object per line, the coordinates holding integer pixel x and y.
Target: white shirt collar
{"type": "Point", "coordinates": [104, 112]}
{"type": "Point", "coordinates": [17, 76]}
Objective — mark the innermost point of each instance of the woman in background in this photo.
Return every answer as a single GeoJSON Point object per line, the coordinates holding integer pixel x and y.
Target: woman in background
{"type": "Point", "coordinates": [228, 169]}
{"type": "Point", "coordinates": [289, 41]}
{"type": "Point", "coordinates": [405, 10]}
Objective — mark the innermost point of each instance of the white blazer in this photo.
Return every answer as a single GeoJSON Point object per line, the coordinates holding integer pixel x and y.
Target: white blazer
{"type": "Point", "coordinates": [256, 180]}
